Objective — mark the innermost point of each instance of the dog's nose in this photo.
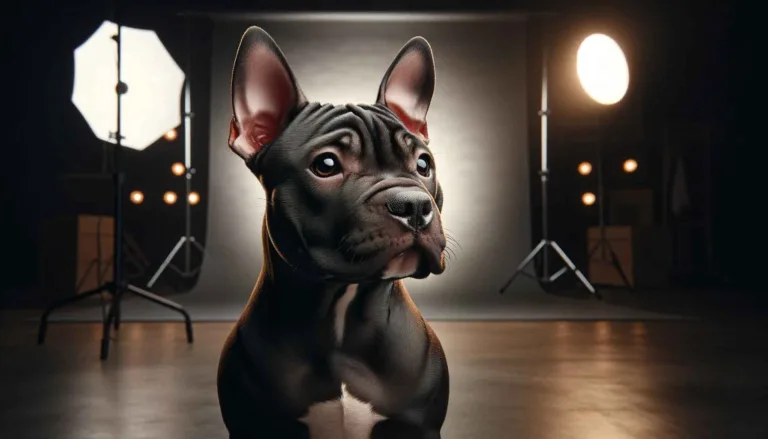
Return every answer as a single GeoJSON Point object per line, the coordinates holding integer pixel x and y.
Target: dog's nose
{"type": "Point", "coordinates": [413, 208]}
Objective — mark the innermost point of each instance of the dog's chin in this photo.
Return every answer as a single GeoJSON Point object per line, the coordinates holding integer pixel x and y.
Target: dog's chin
{"type": "Point", "coordinates": [414, 262]}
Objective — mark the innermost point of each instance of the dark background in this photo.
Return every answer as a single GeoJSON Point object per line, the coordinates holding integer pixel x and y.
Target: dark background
{"type": "Point", "coordinates": [695, 68]}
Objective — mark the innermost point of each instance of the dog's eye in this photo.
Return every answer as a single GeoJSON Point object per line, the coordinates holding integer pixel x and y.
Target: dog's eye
{"type": "Point", "coordinates": [424, 165]}
{"type": "Point", "coordinates": [326, 165]}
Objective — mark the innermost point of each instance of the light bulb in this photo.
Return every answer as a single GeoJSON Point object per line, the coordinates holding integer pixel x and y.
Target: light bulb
{"type": "Point", "coordinates": [630, 165]}
{"type": "Point", "coordinates": [178, 169]}
{"type": "Point", "coordinates": [137, 197]}
{"type": "Point", "coordinates": [602, 69]}
{"type": "Point", "coordinates": [588, 198]}
{"type": "Point", "coordinates": [170, 197]}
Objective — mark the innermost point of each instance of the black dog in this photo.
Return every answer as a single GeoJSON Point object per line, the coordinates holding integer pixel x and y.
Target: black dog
{"type": "Point", "coordinates": [330, 344]}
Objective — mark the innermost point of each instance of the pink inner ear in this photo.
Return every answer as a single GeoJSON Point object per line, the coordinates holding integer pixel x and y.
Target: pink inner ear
{"type": "Point", "coordinates": [259, 131]}
{"type": "Point", "coordinates": [403, 92]}
{"type": "Point", "coordinates": [263, 96]}
{"type": "Point", "coordinates": [414, 125]}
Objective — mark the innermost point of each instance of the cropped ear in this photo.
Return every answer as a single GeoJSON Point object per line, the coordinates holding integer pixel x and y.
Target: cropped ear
{"type": "Point", "coordinates": [264, 93]}
{"type": "Point", "coordinates": [408, 86]}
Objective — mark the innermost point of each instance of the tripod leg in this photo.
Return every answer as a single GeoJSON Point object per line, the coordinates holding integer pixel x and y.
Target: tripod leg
{"type": "Point", "coordinates": [592, 251]}
{"type": "Point", "coordinates": [167, 261]}
{"type": "Point", "coordinates": [558, 273]}
{"type": "Point", "coordinates": [107, 325]}
{"type": "Point", "coordinates": [573, 268]}
{"type": "Point", "coordinates": [617, 266]}
{"type": "Point", "coordinates": [43, 329]}
{"type": "Point", "coordinates": [198, 245]}
{"type": "Point", "coordinates": [85, 275]}
{"type": "Point", "coordinates": [541, 245]}
{"type": "Point", "coordinates": [166, 303]}
{"type": "Point", "coordinates": [116, 315]}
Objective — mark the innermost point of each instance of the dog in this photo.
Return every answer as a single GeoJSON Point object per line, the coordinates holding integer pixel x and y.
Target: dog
{"type": "Point", "coordinates": [330, 344]}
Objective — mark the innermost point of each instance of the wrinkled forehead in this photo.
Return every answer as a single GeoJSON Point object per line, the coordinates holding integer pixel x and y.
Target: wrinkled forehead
{"type": "Point", "coordinates": [360, 129]}
{"type": "Point", "coordinates": [371, 133]}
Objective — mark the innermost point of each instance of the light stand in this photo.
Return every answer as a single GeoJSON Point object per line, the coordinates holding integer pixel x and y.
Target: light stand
{"type": "Point", "coordinates": [603, 244]}
{"type": "Point", "coordinates": [187, 240]}
{"type": "Point", "coordinates": [118, 286]}
{"type": "Point", "coordinates": [546, 243]}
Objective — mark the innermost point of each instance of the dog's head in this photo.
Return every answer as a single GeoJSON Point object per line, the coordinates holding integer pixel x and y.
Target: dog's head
{"type": "Point", "coordinates": [352, 190]}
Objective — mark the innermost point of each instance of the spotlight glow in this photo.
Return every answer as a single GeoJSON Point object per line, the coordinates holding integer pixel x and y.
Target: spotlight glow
{"type": "Point", "coordinates": [630, 166]}
{"type": "Point", "coordinates": [137, 197]}
{"type": "Point", "coordinates": [178, 169]}
{"type": "Point", "coordinates": [193, 198]}
{"type": "Point", "coordinates": [585, 168]}
{"type": "Point", "coordinates": [170, 197]}
{"type": "Point", "coordinates": [171, 135]}
{"type": "Point", "coordinates": [602, 69]}
{"type": "Point", "coordinates": [588, 198]}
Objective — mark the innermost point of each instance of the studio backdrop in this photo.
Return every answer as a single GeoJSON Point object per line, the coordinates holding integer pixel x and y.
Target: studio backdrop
{"type": "Point", "coordinates": [478, 125]}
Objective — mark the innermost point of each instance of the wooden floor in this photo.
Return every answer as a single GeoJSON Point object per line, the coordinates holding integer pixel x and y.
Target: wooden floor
{"type": "Point", "coordinates": [555, 380]}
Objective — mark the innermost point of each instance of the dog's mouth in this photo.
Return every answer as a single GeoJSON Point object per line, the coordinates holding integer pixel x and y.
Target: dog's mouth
{"type": "Point", "coordinates": [416, 261]}
{"type": "Point", "coordinates": [410, 255]}
{"type": "Point", "coordinates": [412, 260]}
{"type": "Point", "coordinates": [404, 264]}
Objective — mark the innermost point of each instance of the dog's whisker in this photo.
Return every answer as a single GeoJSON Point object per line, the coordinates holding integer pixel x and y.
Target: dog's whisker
{"type": "Point", "coordinates": [343, 241]}
{"type": "Point", "coordinates": [453, 240]}
{"type": "Point", "coordinates": [451, 253]}
{"type": "Point", "coordinates": [450, 236]}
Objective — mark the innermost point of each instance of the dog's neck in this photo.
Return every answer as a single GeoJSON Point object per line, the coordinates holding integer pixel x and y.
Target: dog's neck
{"type": "Point", "coordinates": [286, 296]}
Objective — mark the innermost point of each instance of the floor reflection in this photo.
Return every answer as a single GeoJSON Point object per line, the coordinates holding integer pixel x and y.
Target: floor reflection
{"type": "Point", "coordinates": [558, 380]}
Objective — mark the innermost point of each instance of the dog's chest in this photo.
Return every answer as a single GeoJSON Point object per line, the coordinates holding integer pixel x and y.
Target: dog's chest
{"type": "Point", "coordinates": [345, 418]}
{"type": "Point", "coordinates": [348, 417]}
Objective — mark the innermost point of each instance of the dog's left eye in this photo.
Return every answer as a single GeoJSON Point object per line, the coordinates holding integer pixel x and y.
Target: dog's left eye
{"type": "Point", "coordinates": [326, 165]}
{"type": "Point", "coordinates": [424, 165]}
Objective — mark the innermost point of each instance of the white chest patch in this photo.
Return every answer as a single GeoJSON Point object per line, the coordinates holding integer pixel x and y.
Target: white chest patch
{"type": "Point", "coordinates": [348, 418]}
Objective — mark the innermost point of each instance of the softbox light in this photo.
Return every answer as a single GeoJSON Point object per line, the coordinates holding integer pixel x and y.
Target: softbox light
{"type": "Point", "coordinates": [150, 107]}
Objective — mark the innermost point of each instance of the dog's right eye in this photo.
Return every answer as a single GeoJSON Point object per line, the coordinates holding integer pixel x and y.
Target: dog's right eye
{"type": "Point", "coordinates": [326, 165]}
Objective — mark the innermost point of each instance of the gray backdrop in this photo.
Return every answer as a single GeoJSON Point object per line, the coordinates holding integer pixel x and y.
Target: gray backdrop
{"type": "Point", "coordinates": [477, 125]}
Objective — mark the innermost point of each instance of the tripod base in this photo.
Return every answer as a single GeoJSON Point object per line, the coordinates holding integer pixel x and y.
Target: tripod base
{"type": "Point", "coordinates": [604, 245]}
{"type": "Point", "coordinates": [544, 245]}
{"type": "Point", "coordinates": [167, 262]}
{"type": "Point", "coordinates": [113, 316]}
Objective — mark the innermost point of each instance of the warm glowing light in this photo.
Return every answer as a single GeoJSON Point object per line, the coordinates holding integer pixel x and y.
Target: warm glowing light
{"type": "Point", "coordinates": [585, 168]}
{"type": "Point", "coordinates": [137, 197]}
{"type": "Point", "coordinates": [178, 169]}
{"type": "Point", "coordinates": [193, 198]}
{"type": "Point", "coordinates": [171, 135]}
{"type": "Point", "coordinates": [602, 69]}
{"type": "Point", "coordinates": [630, 165]}
{"type": "Point", "coordinates": [150, 106]}
{"type": "Point", "coordinates": [588, 198]}
{"type": "Point", "coordinates": [170, 197]}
